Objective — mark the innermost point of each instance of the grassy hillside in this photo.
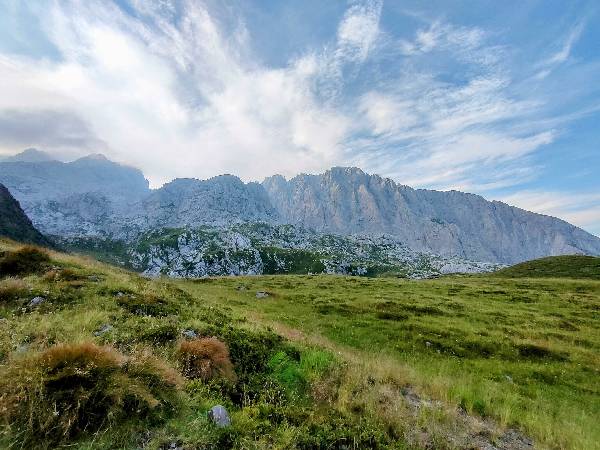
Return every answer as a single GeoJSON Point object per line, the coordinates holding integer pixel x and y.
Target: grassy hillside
{"type": "Point", "coordinates": [106, 360]}
{"type": "Point", "coordinates": [569, 266]}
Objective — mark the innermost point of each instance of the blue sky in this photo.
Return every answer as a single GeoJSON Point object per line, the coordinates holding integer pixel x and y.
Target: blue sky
{"type": "Point", "coordinates": [497, 98]}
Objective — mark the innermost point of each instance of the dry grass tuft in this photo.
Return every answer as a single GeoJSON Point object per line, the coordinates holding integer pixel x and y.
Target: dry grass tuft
{"type": "Point", "coordinates": [65, 274]}
{"type": "Point", "coordinates": [26, 260]}
{"type": "Point", "coordinates": [50, 397]}
{"type": "Point", "coordinates": [206, 358]}
{"type": "Point", "coordinates": [12, 289]}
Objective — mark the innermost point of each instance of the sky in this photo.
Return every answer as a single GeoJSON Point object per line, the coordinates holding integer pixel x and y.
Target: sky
{"type": "Point", "coordinates": [501, 99]}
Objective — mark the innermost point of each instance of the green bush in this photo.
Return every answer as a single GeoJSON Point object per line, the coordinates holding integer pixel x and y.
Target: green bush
{"type": "Point", "coordinates": [26, 260]}
{"type": "Point", "coordinates": [340, 432]}
{"type": "Point", "coordinates": [147, 305]}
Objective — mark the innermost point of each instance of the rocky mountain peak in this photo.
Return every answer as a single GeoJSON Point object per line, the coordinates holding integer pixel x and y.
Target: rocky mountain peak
{"type": "Point", "coordinates": [94, 195]}
{"type": "Point", "coordinates": [94, 157]}
{"type": "Point", "coordinates": [30, 155]}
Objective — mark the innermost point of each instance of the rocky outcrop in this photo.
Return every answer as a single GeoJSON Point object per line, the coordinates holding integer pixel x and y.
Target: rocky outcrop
{"type": "Point", "coordinates": [14, 224]}
{"type": "Point", "coordinates": [349, 201]}
{"type": "Point", "coordinates": [219, 201]}
{"type": "Point", "coordinates": [259, 248]}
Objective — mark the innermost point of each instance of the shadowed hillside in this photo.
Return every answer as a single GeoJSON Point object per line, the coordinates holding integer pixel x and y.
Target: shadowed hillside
{"type": "Point", "coordinates": [569, 266]}
{"type": "Point", "coordinates": [14, 224]}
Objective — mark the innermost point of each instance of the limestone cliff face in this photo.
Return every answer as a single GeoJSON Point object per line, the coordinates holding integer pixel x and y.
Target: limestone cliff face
{"type": "Point", "coordinates": [220, 201]}
{"type": "Point", "coordinates": [77, 198]}
{"type": "Point", "coordinates": [96, 197]}
{"type": "Point", "coordinates": [349, 201]}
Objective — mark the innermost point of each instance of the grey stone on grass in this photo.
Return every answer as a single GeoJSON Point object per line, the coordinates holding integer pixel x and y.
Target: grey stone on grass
{"type": "Point", "coordinates": [219, 416]}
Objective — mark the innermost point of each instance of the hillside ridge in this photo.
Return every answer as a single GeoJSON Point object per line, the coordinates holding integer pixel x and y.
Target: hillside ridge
{"type": "Point", "coordinates": [14, 223]}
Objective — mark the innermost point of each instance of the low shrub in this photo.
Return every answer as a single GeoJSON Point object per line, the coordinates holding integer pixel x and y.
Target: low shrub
{"type": "Point", "coordinates": [12, 289]}
{"type": "Point", "coordinates": [391, 315]}
{"type": "Point", "coordinates": [26, 260]}
{"type": "Point", "coordinates": [250, 350]}
{"type": "Point", "coordinates": [340, 432]}
{"type": "Point", "coordinates": [50, 397]}
{"type": "Point", "coordinates": [206, 358]}
{"type": "Point", "coordinates": [146, 305]}
{"type": "Point", "coordinates": [65, 274]}
{"type": "Point", "coordinates": [534, 351]}
{"type": "Point", "coordinates": [159, 334]}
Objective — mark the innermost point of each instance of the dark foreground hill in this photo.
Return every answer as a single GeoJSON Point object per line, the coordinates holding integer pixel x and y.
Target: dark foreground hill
{"type": "Point", "coordinates": [568, 266]}
{"type": "Point", "coordinates": [14, 224]}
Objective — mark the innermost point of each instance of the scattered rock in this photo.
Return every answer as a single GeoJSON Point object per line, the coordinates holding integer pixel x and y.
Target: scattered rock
{"type": "Point", "coordinates": [411, 397]}
{"type": "Point", "coordinates": [172, 446]}
{"type": "Point", "coordinates": [23, 348]}
{"type": "Point", "coordinates": [241, 287]}
{"type": "Point", "coordinates": [262, 294]}
{"type": "Point", "coordinates": [189, 334]}
{"type": "Point", "coordinates": [119, 294]}
{"type": "Point", "coordinates": [103, 329]}
{"type": "Point", "coordinates": [94, 278]}
{"type": "Point", "coordinates": [513, 439]}
{"type": "Point", "coordinates": [36, 301]}
{"type": "Point", "coordinates": [219, 416]}
{"type": "Point", "coordinates": [428, 344]}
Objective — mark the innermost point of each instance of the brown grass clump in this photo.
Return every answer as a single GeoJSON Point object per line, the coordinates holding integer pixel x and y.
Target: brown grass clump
{"type": "Point", "coordinates": [26, 260]}
{"type": "Point", "coordinates": [12, 289]}
{"type": "Point", "coordinates": [65, 274]}
{"type": "Point", "coordinates": [206, 358]}
{"type": "Point", "coordinates": [50, 397]}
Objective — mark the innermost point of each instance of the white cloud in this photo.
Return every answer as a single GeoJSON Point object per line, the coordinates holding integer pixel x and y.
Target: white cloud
{"type": "Point", "coordinates": [186, 100]}
{"type": "Point", "coordinates": [181, 93]}
{"type": "Point", "coordinates": [359, 30]}
{"type": "Point", "coordinates": [562, 54]}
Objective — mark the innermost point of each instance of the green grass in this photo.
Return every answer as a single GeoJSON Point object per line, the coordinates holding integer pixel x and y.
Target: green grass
{"type": "Point", "coordinates": [571, 266]}
{"type": "Point", "coordinates": [525, 352]}
{"type": "Point", "coordinates": [331, 361]}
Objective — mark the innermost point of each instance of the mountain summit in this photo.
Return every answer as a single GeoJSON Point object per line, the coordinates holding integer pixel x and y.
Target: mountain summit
{"type": "Point", "coordinates": [346, 200]}
{"type": "Point", "coordinates": [30, 155]}
{"type": "Point", "coordinates": [93, 196]}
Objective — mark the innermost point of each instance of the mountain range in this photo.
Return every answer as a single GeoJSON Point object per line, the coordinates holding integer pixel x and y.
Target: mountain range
{"type": "Point", "coordinates": [93, 198]}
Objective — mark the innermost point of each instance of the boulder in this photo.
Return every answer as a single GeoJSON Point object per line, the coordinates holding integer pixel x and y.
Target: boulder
{"type": "Point", "coordinates": [189, 334]}
{"type": "Point", "coordinates": [36, 301]}
{"type": "Point", "coordinates": [103, 329]}
{"type": "Point", "coordinates": [219, 416]}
